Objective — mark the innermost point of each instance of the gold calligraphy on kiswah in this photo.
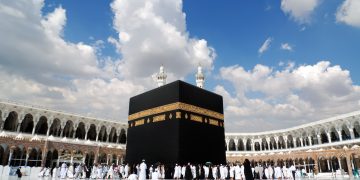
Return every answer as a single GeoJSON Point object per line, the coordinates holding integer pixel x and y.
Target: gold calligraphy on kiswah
{"type": "Point", "coordinates": [176, 106]}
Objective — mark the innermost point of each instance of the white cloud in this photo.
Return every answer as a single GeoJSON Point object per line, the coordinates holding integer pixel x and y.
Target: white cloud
{"type": "Point", "coordinates": [286, 46]}
{"type": "Point", "coordinates": [267, 99]}
{"type": "Point", "coordinates": [265, 46]}
{"type": "Point", "coordinates": [39, 65]}
{"type": "Point", "coordinates": [154, 33]}
{"type": "Point", "coordinates": [299, 10]}
{"type": "Point", "coordinates": [349, 13]}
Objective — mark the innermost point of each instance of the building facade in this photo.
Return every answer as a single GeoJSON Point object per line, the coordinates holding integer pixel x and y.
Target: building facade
{"type": "Point", "coordinates": [323, 146]}
{"type": "Point", "coordinates": [37, 137]}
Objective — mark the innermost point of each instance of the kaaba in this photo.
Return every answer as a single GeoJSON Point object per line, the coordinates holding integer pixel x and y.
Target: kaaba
{"type": "Point", "coordinates": [176, 123]}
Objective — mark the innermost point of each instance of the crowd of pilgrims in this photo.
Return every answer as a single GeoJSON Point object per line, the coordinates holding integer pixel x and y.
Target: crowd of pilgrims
{"type": "Point", "coordinates": [142, 171]}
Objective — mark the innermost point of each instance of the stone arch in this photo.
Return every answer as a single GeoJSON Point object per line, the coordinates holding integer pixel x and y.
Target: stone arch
{"type": "Point", "coordinates": [305, 140]}
{"type": "Point", "coordinates": [323, 166]}
{"type": "Point", "coordinates": [112, 135]}
{"type": "Point", "coordinates": [55, 128]}
{"type": "Point", "coordinates": [323, 136]}
{"type": "Point", "coordinates": [34, 157]}
{"type": "Point", "coordinates": [18, 157]}
{"type": "Point", "coordinates": [241, 146]}
{"type": "Point", "coordinates": [78, 156]}
{"type": "Point", "coordinates": [345, 133]}
{"type": "Point", "coordinates": [298, 142]}
{"type": "Point", "coordinates": [68, 129]}
{"type": "Point", "coordinates": [27, 124]}
{"type": "Point", "coordinates": [80, 131]}
{"type": "Point", "coordinates": [11, 121]}
{"type": "Point", "coordinates": [290, 141]}
{"type": "Point", "coordinates": [113, 159]}
{"type": "Point", "coordinates": [344, 163]}
{"type": "Point", "coordinates": [356, 129]}
{"type": "Point", "coordinates": [91, 135]}
{"type": "Point", "coordinates": [122, 137]}
{"type": "Point", "coordinates": [313, 137]}
{"type": "Point", "coordinates": [64, 156]}
{"type": "Point", "coordinates": [265, 145]}
{"type": "Point", "coordinates": [281, 143]}
{"type": "Point", "coordinates": [257, 146]}
{"type": "Point", "coordinates": [232, 145]}
{"type": "Point", "coordinates": [102, 134]}
{"type": "Point", "coordinates": [301, 162]}
{"type": "Point", "coordinates": [248, 145]}
{"type": "Point", "coordinates": [272, 144]}
{"type": "Point", "coordinates": [334, 163]}
{"type": "Point", "coordinates": [4, 154]}
{"type": "Point", "coordinates": [334, 136]}
{"type": "Point", "coordinates": [89, 159]}
{"type": "Point", "coordinates": [51, 158]}
{"type": "Point", "coordinates": [41, 126]}
{"type": "Point", "coordinates": [310, 163]}
{"type": "Point", "coordinates": [102, 158]}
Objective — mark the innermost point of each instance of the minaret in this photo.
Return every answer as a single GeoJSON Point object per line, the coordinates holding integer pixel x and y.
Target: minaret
{"type": "Point", "coordinates": [200, 78]}
{"type": "Point", "coordinates": [161, 77]}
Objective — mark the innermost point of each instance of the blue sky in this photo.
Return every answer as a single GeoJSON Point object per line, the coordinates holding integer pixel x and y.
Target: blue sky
{"type": "Point", "coordinates": [236, 29]}
{"type": "Point", "coordinates": [277, 63]}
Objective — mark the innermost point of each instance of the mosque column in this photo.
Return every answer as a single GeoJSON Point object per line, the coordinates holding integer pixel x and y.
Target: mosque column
{"type": "Point", "coordinates": [58, 160]}
{"type": "Point", "coordinates": [351, 132]}
{"type": "Point", "coordinates": [294, 141]}
{"type": "Point", "coordinates": [36, 120]}
{"type": "Point", "coordinates": [339, 161]}
{"type": "Point", "coordinates": [319, 139]}
{"type": "Point", "coordinates": [10, 155]}
{"type": "Point", "coordinates": [18, 127]}
{"type": "Point", "coordinates": [302, 142]}
{"type": "Point", "coordinates": [286, 142]}
{"type": "Point", "coordinates": [319, 167]}
{"type": "Point", "coordinates": [75, 128]}
{"type": "Point", "coordinates": [328, 164]}
{"type": "Point", "coordinates": [27, 156]}
{"type": "Point", "coordinates": [236, 144]}
{"type": "Point", "coordinates": [87, 127]}
{"type": "Point", "coordinates": [268, 143]}
{"type": "Point", "coordinates": [62, 123]}
{"type": "Point", "coordinates": [261, 145]}
{"type": "Point", "coordinates": [340, 136]}
{"type": "Point", "coordinates": [118, 132]}
{"type": "Point", "coordinates": [117, 160]}
{"type": "Point", "coordinates": [349, 166]}
{"type": "Point", "coordinates": [227, 144]}
{"type": "Point", "coordinates": [310, 142]}
{"type": "Point", "coordinates": [19, 121]}
{"type": "Point", "coordinates": [84, 157]}
{"type": "Point", "coordinates": [305, 165]}
{"type": "Point", "coordinates": [97, 136]}
{"type": "Point", "coordinates": [108, 159]}
{"type": "Point", "coordinates": [244, 143]}
{"type": "Point", "coordinates": [329, 136]}
{"type": "Point", "coordinates": [252, 145]}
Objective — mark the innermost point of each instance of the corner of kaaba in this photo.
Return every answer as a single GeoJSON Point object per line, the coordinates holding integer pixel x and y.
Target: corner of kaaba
{"type": "Point", "coordinates": [176, 123]}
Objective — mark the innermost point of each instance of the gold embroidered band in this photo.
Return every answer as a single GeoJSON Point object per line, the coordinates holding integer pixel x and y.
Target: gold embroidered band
{"type": "Point", "coordinates": [176, 106]}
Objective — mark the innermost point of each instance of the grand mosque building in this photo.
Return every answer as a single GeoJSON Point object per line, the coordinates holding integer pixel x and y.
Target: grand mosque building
{"type": "Point", "coordinates": [36, 137]}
